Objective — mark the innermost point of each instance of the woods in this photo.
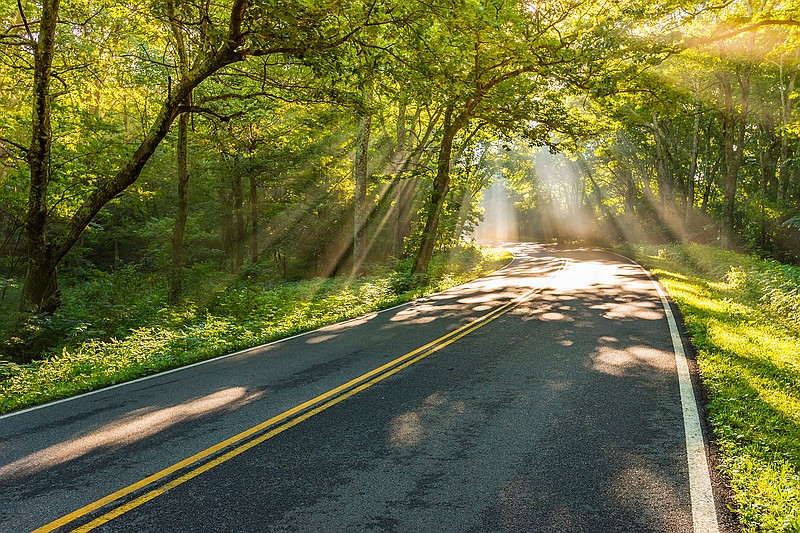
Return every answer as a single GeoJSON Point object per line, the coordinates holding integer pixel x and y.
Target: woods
{"type": "Point", "coordinates": [259, 132]}
{"type": "Point", "coordinates": [250, 67]}
{"type": "Point", "coordinates": [145, 121]}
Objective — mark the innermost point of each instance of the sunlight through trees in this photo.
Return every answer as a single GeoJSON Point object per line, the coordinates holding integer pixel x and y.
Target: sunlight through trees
{"type": "Point", "coordinates": [152, 153]}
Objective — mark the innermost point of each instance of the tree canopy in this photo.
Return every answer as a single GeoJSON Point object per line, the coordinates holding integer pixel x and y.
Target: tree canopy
{"type": "Point", "coordinates": [320, 137]}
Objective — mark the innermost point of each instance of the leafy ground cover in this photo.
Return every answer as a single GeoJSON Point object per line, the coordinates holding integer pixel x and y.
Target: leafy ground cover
{"type": "Point", "coordinates": [743, 315]}
{"type": "Point", "coordinates": [117, 328]}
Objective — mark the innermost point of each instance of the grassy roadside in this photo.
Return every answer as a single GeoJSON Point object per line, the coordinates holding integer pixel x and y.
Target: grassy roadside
{"type": "Point", "coordinates": [101, 349]}
{"type": "Point", "coordinates": [743, 315]}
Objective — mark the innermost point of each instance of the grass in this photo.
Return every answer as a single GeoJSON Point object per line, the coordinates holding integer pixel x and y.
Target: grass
{"type": "Point", "coordinates": [132, 334]}
{"type": "Point", "coordinates": [743, 315]}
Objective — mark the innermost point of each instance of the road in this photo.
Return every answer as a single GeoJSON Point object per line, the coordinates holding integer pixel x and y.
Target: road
{"type": "Point", "coordinates": [545, 397]}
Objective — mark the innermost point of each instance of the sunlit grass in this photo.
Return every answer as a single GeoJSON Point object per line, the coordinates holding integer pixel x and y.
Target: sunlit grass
{"type": "Point", "coordinates": [233, 316]}
{"type": "Point", "coordinates": [742, 315]}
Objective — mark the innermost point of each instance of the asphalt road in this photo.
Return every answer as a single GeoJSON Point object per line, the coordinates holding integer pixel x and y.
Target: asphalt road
{"type": "Point", "coordinates": [558, 411]}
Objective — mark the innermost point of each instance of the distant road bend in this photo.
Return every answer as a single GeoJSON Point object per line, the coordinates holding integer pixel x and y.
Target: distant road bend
{"type": "Point", "coordinates": [551, 396]}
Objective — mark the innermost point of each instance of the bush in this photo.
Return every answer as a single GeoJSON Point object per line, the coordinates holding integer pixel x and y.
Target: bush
{"type": "Point", "coordinates": [93, 342]}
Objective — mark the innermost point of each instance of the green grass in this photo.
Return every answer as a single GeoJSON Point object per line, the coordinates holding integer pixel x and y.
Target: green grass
{"type": "Point", "coordinates": [743, 315]}
{"type": "Point", "coordinates": [115, 327]}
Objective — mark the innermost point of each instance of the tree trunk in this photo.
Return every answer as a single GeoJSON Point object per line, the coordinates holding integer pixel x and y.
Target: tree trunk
{"type": "Point", "coordinates": [630, 191]}
{"type": "Point", "coordinates": [733, 126]}
{"type": "Point", "coordinates": [663, 169]}
{"type": "Point", "coordinates": [786, 89]}
{"type": "Point", "coordinates": [398, 162]}
{"type": "Point", "coordinates": [404, 200]}
{"type": "Point", "coordinates": [238, 213]}
{"type": "Point", "coordinates": [40, 290]}
{"type": "Point", "coordinates": [360, 196]}
{"type": "Point", "coordinates": [440, 187]}
{"type": "Point", "coordinates": [709, 171]}
{"type": "Point", "coordinates": [182, 214]}
{"type": "Point", "coordinates": [690, 183]}
{"type": "Point", "coordinates": [254, 252]}
{"type": "Point", "coordinates": [181, 150]}
{"type": "Point", "coordinates": [226, 226]}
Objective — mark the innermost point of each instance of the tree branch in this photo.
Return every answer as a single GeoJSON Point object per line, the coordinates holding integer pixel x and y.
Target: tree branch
{"type": "Point", "coordinates": [699, 41]}
{"type": "Point", "coordinates": [25, 20]}
{"type": "Point", "coordinates": [15, 145]}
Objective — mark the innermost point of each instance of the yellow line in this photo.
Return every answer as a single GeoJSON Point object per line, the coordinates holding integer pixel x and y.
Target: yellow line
{"type": "Point", "coordinates": [324, 400]}
{"type": "Point", "coordinates": [231, 441]}
{"type": "Point", "coordinates": [255, 442]}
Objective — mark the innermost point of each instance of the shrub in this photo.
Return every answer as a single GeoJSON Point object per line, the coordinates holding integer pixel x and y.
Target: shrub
{"type": "Point", "coordinates": [93, 342]}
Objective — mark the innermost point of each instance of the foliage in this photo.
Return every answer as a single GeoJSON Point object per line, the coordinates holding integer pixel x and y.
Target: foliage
{"type": "Point", "coordinates": [703, 147]}
{"type": "Point", "coordinates": [743, 316]}
{"type": "Point", "coordinates": [105, 344]}
{"type": "Point", "coordinates": [793, 222]}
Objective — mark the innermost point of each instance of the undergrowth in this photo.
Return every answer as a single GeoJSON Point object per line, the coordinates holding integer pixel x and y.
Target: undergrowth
{"type": "Point", "coordinates": [743, 315]}
{"type": "Point", "coordinates": [117, 327]}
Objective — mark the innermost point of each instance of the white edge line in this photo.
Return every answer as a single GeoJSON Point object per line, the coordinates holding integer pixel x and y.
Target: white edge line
{"type": "Point", "coordinates": [244, 351]}
{"type": "Point", "coordinates": [704, 513]}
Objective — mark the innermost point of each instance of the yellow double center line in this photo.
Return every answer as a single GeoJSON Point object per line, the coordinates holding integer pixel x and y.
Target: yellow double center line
{"type": "Point", "coordinates": [239, 443]}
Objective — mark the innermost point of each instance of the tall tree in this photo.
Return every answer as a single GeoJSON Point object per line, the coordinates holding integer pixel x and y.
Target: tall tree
{"type": "Point", "coordinates": [43, 288]}
{"type": "Point", "coordinates": [360, 174]}
{"type": "Point", "coordinates": [182, 155]}
{"type": "Point", "coordinates": [229, 35]}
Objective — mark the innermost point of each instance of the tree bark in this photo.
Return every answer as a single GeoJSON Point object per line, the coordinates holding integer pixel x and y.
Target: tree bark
{"type": "Point", "coordinates": [786, 89]}
{"type": "Point", "coordinates": [733, 126]}
{"type": "Point", "coordinates": [731, 170]}
{"type": "Point", "coordinates": [182, 150]}
{"type": "Point", "coordinates": [440, 187]}
{"type": "Point", "coordinates": [663, 169]}
{"type": "Point", "coordinates": [398, 162]}
{"type": "Point", "coordinates": [226, 222]}
{"type": "Point", "coordinates": [254, 228]}
{"type": "Point", "coordinates": [40, 290]}
{"type": "Point", "coordinates": [238, 214]}
{"type": "Point", "coordinates": [690, 183]}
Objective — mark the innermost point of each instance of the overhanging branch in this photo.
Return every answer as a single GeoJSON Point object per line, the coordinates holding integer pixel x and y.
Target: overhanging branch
{"type": "Point", "coordinates": [699, 41]}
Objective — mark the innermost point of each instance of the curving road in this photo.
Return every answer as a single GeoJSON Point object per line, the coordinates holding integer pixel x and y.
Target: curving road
{"type": "Point", "coordinates": [544, 397]}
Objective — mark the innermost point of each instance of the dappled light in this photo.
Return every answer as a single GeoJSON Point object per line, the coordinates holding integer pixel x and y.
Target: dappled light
{"type": "Point", "coordinates": [188, 181]}
{"type": "Point", "coordinates": [132, 428]}
{"type": "Point", "coordinates": [411, 428]}
{"type": "Point", "coordinates": [653, 490]}
{"type": "Point", "coordinates": [589, 336]}
{"type": "Point", "coordinates": [353, 322]}
{"type": "Point", "coordinates": [632, 310]}
{"type": "Point", "coordinates": [318, 339]}
{"type": "Point", "coordinates": [406, 430]}
{"type": "Point", "coordinates": [616, 361]}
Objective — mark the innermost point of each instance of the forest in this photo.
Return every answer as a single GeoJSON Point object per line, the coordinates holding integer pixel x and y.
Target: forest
{"type": "Point", "coordinates": [314, 139]}
{"type": "Point", "coordinates": [167, 167]}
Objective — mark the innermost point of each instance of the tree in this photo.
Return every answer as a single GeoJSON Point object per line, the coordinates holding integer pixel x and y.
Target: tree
{"type": "Point", "coordinates": [181, 152]}
{"type": "Point", "coordinates": [498, 53]}
{"type": "Point", "coordinates": [229, 36]}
